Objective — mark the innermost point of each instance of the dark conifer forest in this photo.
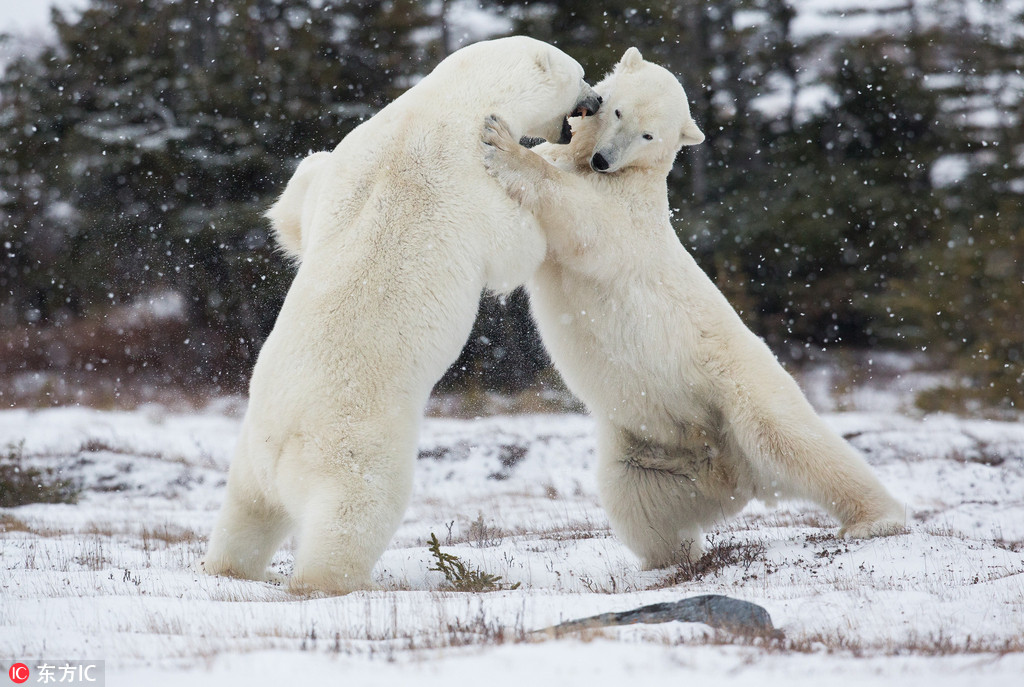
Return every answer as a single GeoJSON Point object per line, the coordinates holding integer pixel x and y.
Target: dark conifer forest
{"type": "Point", "coordinates": [861, 186]}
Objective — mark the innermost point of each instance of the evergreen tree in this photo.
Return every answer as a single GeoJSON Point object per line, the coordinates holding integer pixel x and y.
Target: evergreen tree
{"type": "Point", "coordinates": [965, 307]}
{"type": "Point", "coordinates": [144, 158]}
{"type": "Point", "coordinates": [141, 148]}
{"type": "Point", "coordinates": [846, 199]}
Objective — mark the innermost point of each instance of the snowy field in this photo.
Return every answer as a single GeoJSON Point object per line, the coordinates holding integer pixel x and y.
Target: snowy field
{"type": "Point", "coordinates": [115, 577]}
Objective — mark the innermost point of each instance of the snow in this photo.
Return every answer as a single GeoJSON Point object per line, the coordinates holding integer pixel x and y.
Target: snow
{"type": "Point", "coordinates": [835, 24]}
{"type": "Point", "coordinates": [18, 16]}
{"type": "Point", "coordinates": [949, 170]}
{"type": "Point", "coordinates": [854, 18]}
{"type": "Point", "coordinates": [116, 578]}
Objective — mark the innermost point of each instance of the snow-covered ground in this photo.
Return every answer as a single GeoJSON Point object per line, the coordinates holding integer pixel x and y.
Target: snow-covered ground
{"type": "Point", "coordinates": [115, 577]}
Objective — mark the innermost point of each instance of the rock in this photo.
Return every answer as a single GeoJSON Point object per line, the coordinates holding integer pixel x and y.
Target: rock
{"type": "Point", "coordinates": [720, 612]}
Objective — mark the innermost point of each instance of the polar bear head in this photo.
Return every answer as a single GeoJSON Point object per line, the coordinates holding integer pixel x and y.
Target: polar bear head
{"type": "Point", "coordinates": [534, 85]}
{"type": "Point", "coordinates": [643, 122]}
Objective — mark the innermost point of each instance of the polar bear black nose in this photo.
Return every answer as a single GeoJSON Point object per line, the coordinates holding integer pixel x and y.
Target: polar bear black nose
{"type": "Point", "coordinates": [598, 162]}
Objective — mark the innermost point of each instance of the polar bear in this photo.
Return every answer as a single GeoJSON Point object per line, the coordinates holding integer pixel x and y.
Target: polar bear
{"type": "Point", "coordinates": [400, 229]}
{"type": "Point", "coordinates": [695, 416]}
{"type": "Point", "coordinates": [296, 205]}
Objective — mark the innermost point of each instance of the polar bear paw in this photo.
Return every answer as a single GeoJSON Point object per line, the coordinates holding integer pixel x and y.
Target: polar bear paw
{"type": "Point", "coordinates": [510, 163]}
{"type": "Point", "coordinates": [323, 586]}
{"type": "Point", "coordinates": [885, 527]}
{"type": "Point", "coordinates": [498, 135]}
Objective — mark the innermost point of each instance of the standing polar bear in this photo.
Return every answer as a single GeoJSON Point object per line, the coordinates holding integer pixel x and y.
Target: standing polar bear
{"type": "Point", "coordinates": [695, 416]}
{"type": "Point", "coordinates": [400, 229]}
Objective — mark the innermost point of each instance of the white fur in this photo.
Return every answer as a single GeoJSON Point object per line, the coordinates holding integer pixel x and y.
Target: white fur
{"type": "Point", "coordinates": [293, 211]}
{"type": "Point", "coordinates": [695, 415]}
{"type": "Point", "coordinates": [399, 229]}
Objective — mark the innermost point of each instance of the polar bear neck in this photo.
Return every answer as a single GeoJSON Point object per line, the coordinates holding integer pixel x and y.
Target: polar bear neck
{"type": "Point", "coordinates": [584, 140]}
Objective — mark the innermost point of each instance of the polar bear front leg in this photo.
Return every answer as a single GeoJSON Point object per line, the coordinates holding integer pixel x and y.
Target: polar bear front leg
{"type": "Point", "coordinates": [562, 202]}
{"type": "Point", "coordinates": [517, 169]}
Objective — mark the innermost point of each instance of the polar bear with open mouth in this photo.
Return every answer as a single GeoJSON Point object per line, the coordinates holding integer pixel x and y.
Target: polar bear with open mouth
{"type": "Point", "coordinates": [400, 229]}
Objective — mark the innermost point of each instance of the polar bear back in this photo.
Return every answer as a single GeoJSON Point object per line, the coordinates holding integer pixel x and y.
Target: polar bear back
{"type": "Point", "coordinates": [422, 151]}
{"type": "Point", "coordinates": [407, 229]}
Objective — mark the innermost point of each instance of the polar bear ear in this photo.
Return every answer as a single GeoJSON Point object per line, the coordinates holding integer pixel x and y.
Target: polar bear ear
{"type": "Point", "coordinates": [691, 135]}
{"type": "Point", "coordinates": [543, 61]}
{"type": "Point", "coordinates": [632, 59]}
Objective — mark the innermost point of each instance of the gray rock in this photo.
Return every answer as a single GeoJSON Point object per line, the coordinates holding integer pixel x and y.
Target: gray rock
{"type": "Point", "coordinates": [720, 612]}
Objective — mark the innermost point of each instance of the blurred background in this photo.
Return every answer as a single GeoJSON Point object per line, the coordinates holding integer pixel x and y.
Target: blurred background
{"type": "Point", "coordinates": [860, 189]}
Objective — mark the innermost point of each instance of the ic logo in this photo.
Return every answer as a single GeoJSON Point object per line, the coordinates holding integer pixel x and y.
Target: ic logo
{"type": "Point", "coordinates": [18, 673]}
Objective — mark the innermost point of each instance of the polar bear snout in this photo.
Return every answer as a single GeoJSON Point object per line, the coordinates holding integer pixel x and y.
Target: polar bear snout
{"type": "Point", "coordinates": [599, 163]}
{"type": "Point", "coordinates": [587, 105]}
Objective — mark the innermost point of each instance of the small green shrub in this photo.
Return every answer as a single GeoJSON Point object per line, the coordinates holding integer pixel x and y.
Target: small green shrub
{"type": "Point", "coordinates": [461, 577]}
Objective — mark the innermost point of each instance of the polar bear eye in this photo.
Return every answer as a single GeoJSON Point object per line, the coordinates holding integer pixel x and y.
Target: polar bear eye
{"type": "Point", "coordinates": [648, 137]}
{"type": "Point", "coordinates": [618, 114]}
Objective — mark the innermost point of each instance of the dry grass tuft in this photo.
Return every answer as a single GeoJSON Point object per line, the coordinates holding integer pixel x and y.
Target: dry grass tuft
{"type": "Point", "coordinates": [483, 535]}
{"type": "Point", "coordinates": [932, 644]}
{"type": "Point", "coordinates": [10, 523]}
{"type": "Point", "coordinates": [1014, 545]}
{"type": "Point", "coordinates": [718, 557]}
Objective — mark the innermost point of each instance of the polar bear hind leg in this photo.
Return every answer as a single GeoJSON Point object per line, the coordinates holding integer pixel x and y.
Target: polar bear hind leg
{"type": "Point", "coordinates": [797, 455]}
{"type": "Point", "coordinates": [659, 499]}
{"type": "Point", "coordinates": [347, 513]}
{"type": "Point", "coordinates": [646, 510]}
{"type": "Point", "coordinates": [248, 532]}
{"type": "Point", "coordinates": [340, 540]}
